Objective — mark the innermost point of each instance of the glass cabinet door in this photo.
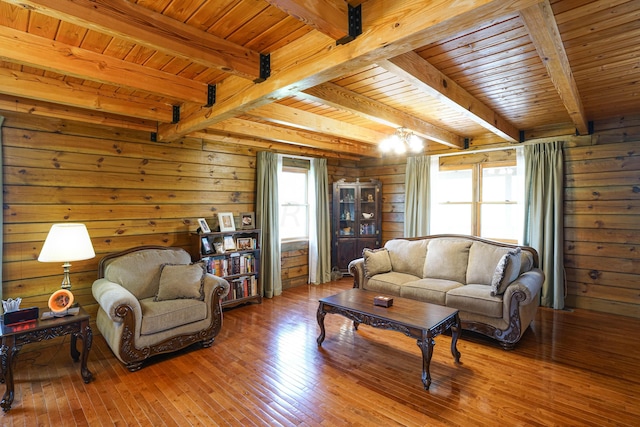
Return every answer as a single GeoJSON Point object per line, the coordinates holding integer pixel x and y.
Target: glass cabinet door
{"type": "Point", "coordinates": [347, 212]}
{"type": "Point", "coordinates": [368, 208]}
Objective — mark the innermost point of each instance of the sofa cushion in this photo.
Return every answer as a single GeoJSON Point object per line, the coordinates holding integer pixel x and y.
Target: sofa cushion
{"type": "Point", "coordinates": [158, 316]}
{"type": "Point", "coordinates": [429, 290]}
{"type": "Point", "coordinates": [475, 299]}
{"type": "Point", "coordinates": [507, 270]}
{"type": "Point", "coordinates": [376, 261]}
{"type": "Point", "coordinates": [139, 272]}
{"type": "Point", "coordinates": [388, 283]}
{"type": "Point", "coordinates": [407, 256]}
{"type": "Point", "coordinates": [483, 259]}
{"type": "Point", "coordinates": [447, 259]}
{"type": "Point", "coordinates": [179, 281]}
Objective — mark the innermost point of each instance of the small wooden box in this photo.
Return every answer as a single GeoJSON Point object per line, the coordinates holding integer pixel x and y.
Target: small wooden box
{"type": "Point", "coordinates": [383, 301]}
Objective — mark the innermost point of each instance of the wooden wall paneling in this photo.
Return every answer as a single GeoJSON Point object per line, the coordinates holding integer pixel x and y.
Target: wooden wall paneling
{"type": "Point", "coordinates": [602, 231]}
{"type": "Point", "coordinates": [128, 190]}
{"type": "Point", "coordinates": [295, 264]}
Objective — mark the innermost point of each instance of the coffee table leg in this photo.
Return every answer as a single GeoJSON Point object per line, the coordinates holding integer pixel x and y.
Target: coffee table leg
{"type": "Point", "coordinates": [320, 315]}
{"type": "Point", "coordinates": [426, 345]}
{"type": "Point", "coordinates": [455, 333]}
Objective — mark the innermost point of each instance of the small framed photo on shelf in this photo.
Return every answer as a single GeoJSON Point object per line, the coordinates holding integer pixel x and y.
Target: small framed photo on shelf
{"type": "Point", "coordinates": [229, 243]}
{"type": "Point", "coordinates": [248, 220]}
{"type": "Point", "coordinates": [244, 243]}
{"type": "Point", "coordinates": [226, 221]}
{"type": "Point", "coordinates": [204, 227]}
{"type": "Point", "coordinates": [206, 246]}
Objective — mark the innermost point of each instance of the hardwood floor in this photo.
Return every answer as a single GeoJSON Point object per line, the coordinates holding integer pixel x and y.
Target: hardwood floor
{"type": "Point", "coordinates": [571, 368]}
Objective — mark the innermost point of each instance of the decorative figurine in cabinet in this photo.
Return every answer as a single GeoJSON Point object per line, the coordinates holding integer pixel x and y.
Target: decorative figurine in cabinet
{"type": "Point", "coordinates": [357, 218]}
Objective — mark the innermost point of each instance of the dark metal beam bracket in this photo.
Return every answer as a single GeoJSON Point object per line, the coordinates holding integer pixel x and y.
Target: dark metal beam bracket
{"type": "Point", "coordinates": [355, 24]}
{"type": "Point", "coordinates": [265, 68]}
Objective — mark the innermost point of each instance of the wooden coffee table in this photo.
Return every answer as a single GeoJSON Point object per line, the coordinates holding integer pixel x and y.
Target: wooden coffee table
{"type": "Point", "coordinates": [420, 320]}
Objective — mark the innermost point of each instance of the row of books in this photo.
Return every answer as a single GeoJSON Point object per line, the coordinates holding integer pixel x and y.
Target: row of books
{"type": "Point", "coordinates": [234, 264]}
{"type": "Point", "coordinates": [242, 287]}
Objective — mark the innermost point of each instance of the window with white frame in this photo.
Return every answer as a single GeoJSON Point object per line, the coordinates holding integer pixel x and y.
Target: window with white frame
{"type": "Point", "coordinates": [481, 198]}
{"type": "Point", "coordinates": [293, 193]}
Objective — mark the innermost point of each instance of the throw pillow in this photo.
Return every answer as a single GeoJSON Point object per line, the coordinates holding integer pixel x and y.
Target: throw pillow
{"type": "Point", "coordinates": [507, 270]}
{"type": "Point", "coordinates": [376, 261]}
{"type": "Point", "coordinates": [181, 281]}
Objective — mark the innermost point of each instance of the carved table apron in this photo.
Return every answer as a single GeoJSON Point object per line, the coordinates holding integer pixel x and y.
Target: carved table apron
{"type": "Point", "coordinates": [15, 336]}
{"type": "Point", "coordinates": [420, 320]}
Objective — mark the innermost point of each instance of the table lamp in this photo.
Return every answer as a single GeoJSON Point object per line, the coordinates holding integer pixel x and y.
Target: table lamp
{"type": "Point", "coordinates": [67, 242]}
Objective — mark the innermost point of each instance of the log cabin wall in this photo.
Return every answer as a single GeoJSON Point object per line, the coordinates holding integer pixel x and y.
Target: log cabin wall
{"type": "Point", "coordinates": [130, 191]}
{"type": "Point", "coordinates": [602, 220]}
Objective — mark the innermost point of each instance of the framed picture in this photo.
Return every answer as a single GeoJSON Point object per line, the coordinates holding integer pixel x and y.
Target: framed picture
{"type": "Point", "coordinates": [226, 221]}
{"type": "Point", "coordinates": [204, 227]}
{"type": "Point", "coordinates": [247, 220]}
{"type": "Point", "coordinates": [244, 243]}
{"type": "Point", "coordinates": [206, 246]}
{"type": "Point", "coordinates": [229, 243]}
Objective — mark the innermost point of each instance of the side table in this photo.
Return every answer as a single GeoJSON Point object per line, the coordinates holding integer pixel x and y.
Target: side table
{"type": "Point", "coordinates": [15, 336]}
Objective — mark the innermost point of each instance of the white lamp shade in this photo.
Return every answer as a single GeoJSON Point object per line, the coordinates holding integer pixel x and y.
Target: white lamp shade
{"type": "Point", "coordinates": [67, 242]}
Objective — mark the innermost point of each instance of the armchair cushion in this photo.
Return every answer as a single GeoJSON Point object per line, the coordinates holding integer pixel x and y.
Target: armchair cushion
{"type": "Point", "coordinates": [162, 316]}
{"type": "Point", "coordinates": [179, 281]}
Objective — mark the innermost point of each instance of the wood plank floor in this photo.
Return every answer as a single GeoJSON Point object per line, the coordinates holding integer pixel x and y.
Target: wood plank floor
{"type": "Point", "coordinates": [571, 368]}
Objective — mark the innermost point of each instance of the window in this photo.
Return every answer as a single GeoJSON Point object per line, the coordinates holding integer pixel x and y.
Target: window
{"type": "Point", "coordinates": [479, 197]}
{"type": "Point", "coordinates": [293, 193]}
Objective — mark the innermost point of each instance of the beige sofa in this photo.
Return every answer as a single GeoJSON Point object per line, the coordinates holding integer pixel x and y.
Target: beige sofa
{"type": "Point", "coordinates": [152, 301]}
{"type": "Point", "coordinates": [494, 285]}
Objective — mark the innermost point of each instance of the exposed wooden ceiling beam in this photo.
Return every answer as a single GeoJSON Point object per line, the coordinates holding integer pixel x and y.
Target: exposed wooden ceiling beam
{"type": "Point", "coordinates": [139, 25]}
{"type": "Point", "coordinates": [45, 109]}
{"type": "Point", "coordinates": [292, 136]}
{"type": "Point", "coordinates": [330, 17]}
{"type": "Point", "coordinates": [391, 29]}
{"type": "Point", "coordinates": [39, 52]}
{"type": "Point", "coordinates": [296, 118]}
{"type": "Point", "coordinates": [412, 68]}
{"type": "Point", "coordinates": [33, 86]}
{"type": "Point", "coordinates": [210, 138]}
{"type": "Point", "coordinates": [543, 30]}
{"type": "Point", "coordinates": [345, 99]}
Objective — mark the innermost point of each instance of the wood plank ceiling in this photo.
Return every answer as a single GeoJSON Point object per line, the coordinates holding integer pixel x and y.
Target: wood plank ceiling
{"type": "Point", "coordinates": [289, 75]}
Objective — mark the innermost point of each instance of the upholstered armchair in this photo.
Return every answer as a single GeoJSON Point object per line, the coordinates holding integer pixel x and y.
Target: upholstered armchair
{"type": "Point", "coordinates": [153, 300]}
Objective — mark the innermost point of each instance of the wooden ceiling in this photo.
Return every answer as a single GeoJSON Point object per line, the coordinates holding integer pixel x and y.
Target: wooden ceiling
{"type": "Point", "coordinates": [289, 75]}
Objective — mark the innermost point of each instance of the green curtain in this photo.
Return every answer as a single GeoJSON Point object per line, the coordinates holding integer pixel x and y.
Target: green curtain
{"type": "Point", "coordinates": [544, 216]}
{"type": "Point", "coordinates": [320, 228]}
{"type": "Point", "coordinates": [417, 196]}
{"type": "Point", "coordinates": [267, 213]}
{"type": "Point", "coordinates": [1, 217]}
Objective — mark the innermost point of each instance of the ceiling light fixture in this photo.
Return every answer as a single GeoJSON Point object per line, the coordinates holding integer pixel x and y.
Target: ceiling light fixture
{"type": "Point", "coordinates": [401, 141]}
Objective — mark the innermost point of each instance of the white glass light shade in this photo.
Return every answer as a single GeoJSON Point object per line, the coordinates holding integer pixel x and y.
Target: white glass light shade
{"type": "Point", "coordinates": [400, 142]}
{"type": "Point", "coordinates": [67, 242]}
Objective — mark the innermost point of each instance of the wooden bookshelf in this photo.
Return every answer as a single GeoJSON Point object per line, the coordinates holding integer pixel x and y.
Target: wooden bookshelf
{"type": "Point", "coordinates": [234, 256]}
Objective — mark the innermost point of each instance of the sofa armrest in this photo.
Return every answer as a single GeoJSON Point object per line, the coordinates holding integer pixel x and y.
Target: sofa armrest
{"type": "Point", "coordinates": [356, 268]}
{"type": "Point", "coordinates": [529, 282]}
{"type": "Point", "coordinates": [211, 282]}
{"type": "Point", "coordinates": [111, 295]}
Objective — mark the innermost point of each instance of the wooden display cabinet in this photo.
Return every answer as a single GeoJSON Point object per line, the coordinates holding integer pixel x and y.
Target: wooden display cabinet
{"type": "Point", "coordinates": [234, 256]}
{"type": "Point", "coordinates": [357, 219]}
